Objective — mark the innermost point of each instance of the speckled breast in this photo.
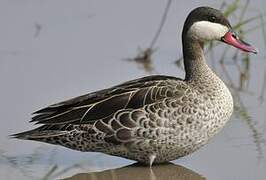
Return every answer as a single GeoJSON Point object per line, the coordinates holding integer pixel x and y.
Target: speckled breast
{"type": "Point", "coordinates": [204, 111]}
{"type": "Point", "coordinates": [178, 126]}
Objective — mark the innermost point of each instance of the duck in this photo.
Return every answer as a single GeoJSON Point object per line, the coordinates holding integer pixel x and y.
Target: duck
{"type": "Point", "coordinates": [154, 119]}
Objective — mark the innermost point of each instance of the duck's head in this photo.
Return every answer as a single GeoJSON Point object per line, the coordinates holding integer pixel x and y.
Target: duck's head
{"type": "Point", "coordinates": [206, 24]}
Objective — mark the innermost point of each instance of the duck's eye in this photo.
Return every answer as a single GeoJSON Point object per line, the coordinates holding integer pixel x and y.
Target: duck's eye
{"type": "Point", "coordinates": [212, 18]}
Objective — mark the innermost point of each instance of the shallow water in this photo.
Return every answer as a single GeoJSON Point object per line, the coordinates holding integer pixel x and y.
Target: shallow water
{"type": "Point", "coordinates": [54, 50]}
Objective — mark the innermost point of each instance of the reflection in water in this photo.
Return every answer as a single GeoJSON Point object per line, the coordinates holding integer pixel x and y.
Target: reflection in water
{"type": "Point", "coordinates": [261, 97]}
{"type": "Point", "coordinates": [144, 59]}
{"type": "Point", "coordinates": [55, 170]}
{"type": "Point", "coordinates": [38, 28]}
{"type": "Point", "coordinates": [240, 109]}
{"type": "Point", "coordinates": [144, 56]}
{"type": "Point", "coordinates": [137, 172]}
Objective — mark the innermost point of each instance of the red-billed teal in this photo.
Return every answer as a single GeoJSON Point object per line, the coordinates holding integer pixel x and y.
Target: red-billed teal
{"type": "Point", "coordinates": [154, 119]}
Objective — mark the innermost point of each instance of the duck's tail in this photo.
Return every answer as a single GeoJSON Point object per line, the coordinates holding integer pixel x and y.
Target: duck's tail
{"type": "Point", "coordinates": [38, 134]}
{"type": "Point", "coordinates": [44, 133]}
{"type": "Point", "coordinates": [67, 136]}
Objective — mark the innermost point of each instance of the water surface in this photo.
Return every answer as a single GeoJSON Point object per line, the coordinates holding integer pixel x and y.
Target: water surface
{"type": "Point", "coordinates": [54, 50]}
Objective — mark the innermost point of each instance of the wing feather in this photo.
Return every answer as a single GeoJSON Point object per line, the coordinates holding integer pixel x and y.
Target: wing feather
{"type": "Point", "coordinates": [101, 104]}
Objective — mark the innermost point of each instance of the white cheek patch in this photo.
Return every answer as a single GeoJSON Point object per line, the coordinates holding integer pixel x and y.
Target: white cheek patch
{"type": "Point", "coordinates": [206, 31]}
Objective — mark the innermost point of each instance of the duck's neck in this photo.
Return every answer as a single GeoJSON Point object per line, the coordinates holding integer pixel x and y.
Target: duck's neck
{"type": "Point", "coordinates": [194, 60]}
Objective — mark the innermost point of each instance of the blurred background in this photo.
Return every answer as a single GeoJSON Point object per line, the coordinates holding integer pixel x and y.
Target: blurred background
{"type": "Point", "coordinates": [54, 50]}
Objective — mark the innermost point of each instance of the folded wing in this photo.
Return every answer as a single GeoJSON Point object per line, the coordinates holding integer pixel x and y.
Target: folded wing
{"type": "Point", "coordinates": [101, 104]}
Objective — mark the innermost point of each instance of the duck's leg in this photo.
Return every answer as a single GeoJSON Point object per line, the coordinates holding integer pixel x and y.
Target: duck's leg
{"type": "Point", "coordinates": [152, 158]}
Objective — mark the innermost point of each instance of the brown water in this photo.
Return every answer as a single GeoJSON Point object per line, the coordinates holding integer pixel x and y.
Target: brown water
{"type": "Point", "coordinates": [54, 50]}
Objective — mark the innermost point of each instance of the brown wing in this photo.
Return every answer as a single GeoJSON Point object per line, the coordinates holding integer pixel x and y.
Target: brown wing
{"type": "Point", "coordinates": [102, 104]}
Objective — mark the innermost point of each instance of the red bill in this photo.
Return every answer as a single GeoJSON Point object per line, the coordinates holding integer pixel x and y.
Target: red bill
{"type": "Point", "coordinates": [231, 38]}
